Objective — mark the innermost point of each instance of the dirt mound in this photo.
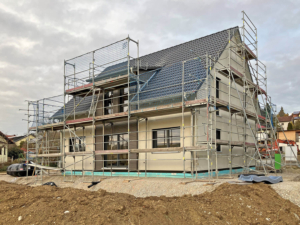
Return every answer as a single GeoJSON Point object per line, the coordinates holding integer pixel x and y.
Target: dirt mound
{"type": "Point", "coordinates": [296, 179]}
{"type": "Point", "coordinates": [228, 204]}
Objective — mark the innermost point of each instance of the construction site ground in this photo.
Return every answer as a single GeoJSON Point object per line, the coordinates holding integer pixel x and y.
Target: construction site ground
{"type": "Point", "coordinates": [119, 200]}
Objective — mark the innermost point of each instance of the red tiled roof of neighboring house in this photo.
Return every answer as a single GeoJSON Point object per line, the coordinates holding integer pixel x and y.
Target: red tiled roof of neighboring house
{"type": "Point", "coordinates": [10, 136]}
{"type": "Point", "coordinates": [285, 118]}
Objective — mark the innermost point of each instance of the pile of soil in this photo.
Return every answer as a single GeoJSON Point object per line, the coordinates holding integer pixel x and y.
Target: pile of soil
{"type": "Point", "coordinates": [228, 204]}
{"type": "Point", "coordinates": [296, 179]}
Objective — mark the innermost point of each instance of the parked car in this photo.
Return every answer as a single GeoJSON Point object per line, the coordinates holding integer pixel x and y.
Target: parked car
{"type": "Point", "coordinates": [19, 170]}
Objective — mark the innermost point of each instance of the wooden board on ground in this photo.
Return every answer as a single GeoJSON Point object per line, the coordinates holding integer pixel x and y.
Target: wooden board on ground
{"type": "Point", "coordinates": [206, 181]}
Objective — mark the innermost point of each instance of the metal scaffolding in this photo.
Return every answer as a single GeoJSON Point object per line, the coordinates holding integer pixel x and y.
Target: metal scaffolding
{"type": "Point", "coordinates": [112, 95]}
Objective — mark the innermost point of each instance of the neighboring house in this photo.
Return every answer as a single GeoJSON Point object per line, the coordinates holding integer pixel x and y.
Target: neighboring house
{"type": "Point", "coordinates": [4, 143]}
{"type": "Point", "coordinates": [11, 138]}
{"type": "Point", "coordinates": [285, 120]}
{"type": "Point", "coordinates": [22, 138]}
{"type": "Point", "coordinates": [296, 116]}
{"type": "Point", "coordinates": [157, 126]}
{"type": "Point", "coordinates": [291, 135]}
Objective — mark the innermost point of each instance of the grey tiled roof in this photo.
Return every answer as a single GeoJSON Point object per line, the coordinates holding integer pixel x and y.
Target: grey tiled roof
{"type": "Point", "coordinates": [168, 81]}
{"type": "Point", "coordinates": [82, 107]}
{"type": "Point", "coordinates": [210, 44]}
{"type": "Point", "coordinates": [15, 139]}
{"type": "Point", "coordinates": [170, 72]}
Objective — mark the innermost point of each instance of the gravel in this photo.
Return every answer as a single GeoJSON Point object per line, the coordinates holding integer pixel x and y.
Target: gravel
{"type": "Point", "coordinates": [143, 187]}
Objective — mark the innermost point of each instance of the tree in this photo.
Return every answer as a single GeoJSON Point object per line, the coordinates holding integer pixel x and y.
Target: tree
{"type": "Point", "coordinates": [290, 126]}
{"type": "Point", "coordinates": [282, 113]}
{"type": "Point", "coordinates": [297, 125]}
{"type": "Point", "coordinates": [15, 153]}
{"type": "Point", "coordinates": [22, 144]}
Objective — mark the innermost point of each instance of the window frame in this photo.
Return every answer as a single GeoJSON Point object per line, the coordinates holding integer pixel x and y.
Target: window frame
{"type": "Point", "coordinates": [80, 145]}
{"type": "Point", "coordinates": [122, 100]}
{"type": "Point", "coordinates": [218, 134]}
{"type": "Point", "coordinates": [106, 143]}
{"type": "Point", "coordinates": [167, 139]}
{"type": "Point", "coordinates": [217, 111]}
{"type": "Point", "coordinates": [108, 103]}
{"type": "Point", "coordinates": [218, 87]}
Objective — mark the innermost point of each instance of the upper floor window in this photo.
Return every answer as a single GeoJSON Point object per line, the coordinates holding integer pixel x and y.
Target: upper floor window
{"type": "Point", "coordinates": [218, 134]}
{"type": "Point", "coordinates": [108, 103]}
{"type": "Point", "coordinates": [123, 100]}
{"type": "Point", "coordinates": [218, 87]}
{"type": "Point", "coordinates": [167, 137]}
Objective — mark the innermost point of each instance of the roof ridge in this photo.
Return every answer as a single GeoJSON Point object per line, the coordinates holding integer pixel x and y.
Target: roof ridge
{"type": "Point", "coordinates": [190, 41]}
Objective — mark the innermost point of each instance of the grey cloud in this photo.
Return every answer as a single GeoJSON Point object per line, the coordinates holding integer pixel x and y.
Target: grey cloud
{"type": "Point", "coordinates": [58, 30]}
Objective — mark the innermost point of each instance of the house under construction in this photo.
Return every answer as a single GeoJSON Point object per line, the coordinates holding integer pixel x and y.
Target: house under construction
{"type": "Point", "coordinates": [194, 107]}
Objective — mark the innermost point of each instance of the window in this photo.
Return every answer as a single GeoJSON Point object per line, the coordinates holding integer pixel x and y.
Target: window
{"type": "Point", "coordinates": [77, 144]}
{"type": "Point", "coordinates": [108, 103]}
{"type": "Point", "coordinates": [4, 153]}
{"type": "Point", "coordinates": [280, 149]}
{"type": "Point", "coordinates": [218, 148]}
{"type": "Point", "coordinates": [167, 137]}
{"type": "Point", "coordinates": [245, 100]}
{"type": "Point", "coordinates": [217, 111]}
{"type": "Point", "coordinates": [123, 100]}
{"type": "Point", "coordinates": [218, 134]}
{"type": "Point", "coordinates": [1, 151]}
{"type": "Point", "coordinates": [115, 142]}
{"type": "Point", "coordinates": [218, 87]}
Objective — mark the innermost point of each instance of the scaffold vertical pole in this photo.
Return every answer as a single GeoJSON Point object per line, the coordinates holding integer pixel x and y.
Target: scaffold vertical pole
{"type": "Point", "coordinates": [64, 128]}
{"type": "Point", "coordinates": [229, 104]}
{"type": "Point", "coordinates": [207, 116]}
{"type": "Point", "coordinates": [182, 118]}
{"type": "Point", "coordinates": [93, 126]}
{"type": "Point", "coordinates": [128, 93]}
{"type": "Point", "coordinates": [27, 144]}
{"type": "Point", "coordinates": [146, 154]}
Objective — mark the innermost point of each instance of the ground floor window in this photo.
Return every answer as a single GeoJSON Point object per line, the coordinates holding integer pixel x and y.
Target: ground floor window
{"type": "Point", "coordinates": [166, 137]}
{"type": "Point", "coordinates": [77, 144]}
{"type": "Point", "coordinates": [115, 142]}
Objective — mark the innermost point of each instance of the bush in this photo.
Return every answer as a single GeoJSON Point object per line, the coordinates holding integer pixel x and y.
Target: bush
{"type": "Point", "coordinates": [290, 126]}
{"type": "Point", "coordinates": [15, 153]}
{"type": "Point", "coordinates": [3, 168]}
{"type": "Point", "coordinates": [297, 125]}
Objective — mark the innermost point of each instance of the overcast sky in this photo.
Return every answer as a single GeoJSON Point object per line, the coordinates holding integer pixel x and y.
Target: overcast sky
{"type": "Point", "coordinates": [36, 36]}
